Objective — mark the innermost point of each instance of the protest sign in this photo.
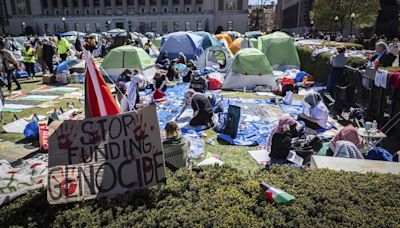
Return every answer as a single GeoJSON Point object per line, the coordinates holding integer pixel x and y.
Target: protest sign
{"type": "Point", "coordinates": [43, 136]}
{"type": "Point", "coordinates": [104, 156]}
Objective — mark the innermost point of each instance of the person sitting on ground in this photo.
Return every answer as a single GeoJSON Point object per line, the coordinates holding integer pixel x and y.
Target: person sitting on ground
{"type": "Point", "coordinates": [347, 149]}
{"type": "Point", "coordinates": [159, 82]}
{"type": "Point", "coordinates": [181, 58]}
{"type": "Point", "coordinates": [202, 109]}
{"type": "Point", "coordinates": [383, 55]}
{"type": "Point", "coordinates": [164, 61]}
{"type": "Point", "coordinates": [125, 76]}
{"type": "Point", "coordinates": [337, 76]}
{"type": "Point", "coordinates": [198, 83]}
{"type": "Point", "coordinates": [172, 72]}
{"type": "Point", "coordinates": [176, 147]}
{"type": "Point", "coordinates": [191, 67]}
{"type": "Point", "coordinates": [139, 79]}
{"type": "Point", "coordinates": [317, 118]}
{"type": "Point", "coordinates": [281, 140]}
{"type": "Point", "coordinates": [348, 133]}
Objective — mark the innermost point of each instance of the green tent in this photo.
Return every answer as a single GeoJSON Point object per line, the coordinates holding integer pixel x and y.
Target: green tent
{"type": "Point", "coordinates": [251, 61]}
{"type": "Point", "coordinates": [279, 49]}
{"type": "Point", "coordinates": [157, 42]}
{"type": "Point", "coordinates": [254, 41]}
{"type": "Point", "coordinates": [127, 57]}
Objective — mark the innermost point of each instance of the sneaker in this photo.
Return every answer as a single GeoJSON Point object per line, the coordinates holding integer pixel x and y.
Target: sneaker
{"type": "Point", "coordinates": [18, 88]}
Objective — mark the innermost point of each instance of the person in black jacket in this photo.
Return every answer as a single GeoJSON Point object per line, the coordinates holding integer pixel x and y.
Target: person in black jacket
{"type": "Point", "coordinates": [281, 141]}
{"type": "Point", "coordinates": [48, 53]}
{"type": "Point", "coordinates": [383, 55]}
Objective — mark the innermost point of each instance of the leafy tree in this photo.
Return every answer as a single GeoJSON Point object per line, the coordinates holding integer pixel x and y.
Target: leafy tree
{"type": "Point", "coordinates": [324, 12]}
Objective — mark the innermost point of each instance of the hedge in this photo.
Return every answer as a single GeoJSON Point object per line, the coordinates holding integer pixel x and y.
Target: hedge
{"type": "Point", "coordinates": [321, 68]}
{"type": "Point", "coordinates": [225, 197]}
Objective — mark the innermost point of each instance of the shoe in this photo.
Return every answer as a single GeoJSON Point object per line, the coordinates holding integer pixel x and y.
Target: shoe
{"type": "Point", "coordinates": [18, 88]}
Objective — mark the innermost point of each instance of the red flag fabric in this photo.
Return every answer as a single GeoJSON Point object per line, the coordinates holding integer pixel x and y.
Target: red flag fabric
{"type": "Point", "coordinates": [98, 98]}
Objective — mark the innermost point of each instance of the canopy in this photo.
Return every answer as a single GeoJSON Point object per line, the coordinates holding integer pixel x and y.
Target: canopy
{"type": "Point", "coordinates": [208, 40]}
{"type": "Point", "coordinates": [249, 69]}
{"type": "Point", "coordinates": [224, 36]}
{"type": "Point", "coordinates": [189, 44]}
{"type": "Point", "coordinates": [115, 31]}
{"type": "Point", "coordinates": [73, 33]}
{"type": "Point", "coordinates": [279, 48]}
{"type": "Point", "coordinates": [240, 43]}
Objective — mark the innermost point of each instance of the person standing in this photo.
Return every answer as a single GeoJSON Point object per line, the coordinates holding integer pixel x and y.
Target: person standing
{"type": "Point", "coordinates": [337, 76]}
{"type": "Point", "coordinates": [62, 47]}
{"type": "Point", "coordinates": [39, 55]}
{"type": "Point", "coordinates": [47, 55]}
{"type": "Point", "coordinates": [29, 59]}
{"type": "Point", "coordinates": [11, 64]}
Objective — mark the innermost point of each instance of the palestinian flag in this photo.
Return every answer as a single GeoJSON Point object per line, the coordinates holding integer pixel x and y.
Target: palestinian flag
{"type": "Point", "coordinates": [276, 195]}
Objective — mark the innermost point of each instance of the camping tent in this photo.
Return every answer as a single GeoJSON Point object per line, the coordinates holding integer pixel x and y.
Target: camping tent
{"type": "Point", "coordinates": [116, 31]}
{"type": "Point", "coordinates": [224, 36]}
{"type": "Point", "coordinates": [189, 44]}
{"type": "Point", "coordinates": [128, 57]}
{"type": "Point", "coordinates": [121, 38]}
{"type": "Point", "coordinates": [254, 41]}
{"type": "Point", "coordinates": [280, 49]}
{"type": "Point", "coordinates": [250, 68]}
{"type": "Point", "coordinates": [253, 34]}
{"type": "Point", "coordinates": [73, 33]}
{"type": "Point", "coordinates": [217, 57]}
{"type": "Point", "coordinates": [208, 40]}
{"type": "Point", "coordinates": [240, 43]}
{"type": "Point", "coordinates": [157, 42]}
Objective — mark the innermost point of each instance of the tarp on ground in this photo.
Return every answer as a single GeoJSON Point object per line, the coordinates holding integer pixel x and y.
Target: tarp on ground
{"type": "Point", "coordinates": [250, 68]}
{"type": "Point", "coordinates": [279, 48]}
{"type": "Point", "coordinates": [189, 44]}
{"type": "Point", "coordinates": [208, 40]}
{"type": "Point", "coordinates": [127, 57]}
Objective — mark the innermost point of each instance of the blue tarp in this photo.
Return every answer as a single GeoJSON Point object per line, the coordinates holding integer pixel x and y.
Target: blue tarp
{"type": "Point", "coordinates": [189, 44]}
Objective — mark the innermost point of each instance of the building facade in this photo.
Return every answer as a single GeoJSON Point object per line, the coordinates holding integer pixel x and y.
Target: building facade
{"type": "Point", "coordinates": [262, 17]}
{"type": "Point", "coordinates": [294, 15]}
{"type": "Point", "coordinates": [160, 16]}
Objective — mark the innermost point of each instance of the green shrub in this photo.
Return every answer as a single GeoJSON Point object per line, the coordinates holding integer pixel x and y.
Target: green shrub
{"type": "Point", "coordinates": [229, 198]}
{"type": "Point", "coordinates": [352, 46]}
{"type": "Point", "coordinates": [320, 68]}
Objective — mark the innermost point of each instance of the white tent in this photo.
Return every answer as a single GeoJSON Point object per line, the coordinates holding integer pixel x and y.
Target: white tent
{"type": "Point", "coordinates": [217, 57]}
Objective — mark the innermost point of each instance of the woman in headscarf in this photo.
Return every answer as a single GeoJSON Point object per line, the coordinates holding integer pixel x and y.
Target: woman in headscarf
{"type": "Point", "coordinates": [181, 58]}
{"type": "Point", "coordinates": [346, 149]}
{"type": "Point", "coordinates": [382, 55]}
{"type": "Point", "coordinates": [318, 115]}
{"type": "Point", "coordinates": [281, 140]}
{"type": "Point", "coordinates": [348, 133]}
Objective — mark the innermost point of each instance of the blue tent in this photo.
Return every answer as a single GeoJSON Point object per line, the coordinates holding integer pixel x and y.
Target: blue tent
{"type": "Point", "coordinates": [208, 40]}
{"type": "Point", "coordinates": [73, 33]}
{"type": "Point", "coordinates": [189, 44]}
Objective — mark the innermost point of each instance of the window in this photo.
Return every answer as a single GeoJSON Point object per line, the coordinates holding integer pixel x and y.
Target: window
{"type": "Point", "coordinates": [199, 25]}
{"type": "Point", "coordinates": [229, 25]}
{"type": "Point", "coordinates": [45, 4]}
{"type": "Point", "coordinates": [187, 2]}
{"type": "Point", "coordinates": [176, 10]}
{"type": "Point", "coordinates": [98, 11]}
{"type": "Point", "coordinates": [142, 2]}
{"type": "Point", "coordinates": [66, 27]}
{"type": "Point", "coordinates": [142, 10]}
{"type": "Point", "coordinates": [98, 27]}
{"type": "Point", "coordinates": [77, 27]}
{"type": "Point", "coordinates": [153, 2]}
{"type": "Point", "coordinates": [199, 2]}
{"type": "Point", "coordinates": [55, 3]}
{"type": "Point", "coordinates": [87, 11]}
{"type": "Point", "coordinates": [188, 26]}
{"type": "Point", "coordinates": [77, 12]}
{"type": "Point", "coordinates": [176, 2]}
{"type": "Point", "coordinates": [187, 10]}
{"type": "Point", "coordinates": [46, 28]}
{"type": "Point", "coordinates": [131, 2]}
{"type": "Point", "coordinates": [164, 2]}
{"type": "Point", "coordinates": [165, 10]}
{"type": "Point", "coordinates": [56, 27]}
{"type": "Point", "coordinates": [107, 2]}
{"type": "Point", "coordinates": [86, 3]}
{"type": "Point", "coordinates": [66, 12]}
{"type": "Point", "coordinates": [75, 3]}
{"type": "Point", "coordinates": [230, 5]}
{"type": "Point", "coordinates": [118, 2]}
{"type": "Point", "coordinates": [165, 26]}
{"type": "Point", "coordinates": [87, 28]}
{"type": "Point", "coordinates": [199, 9]}
{"type": "Point", "coordinates": [97, 3]}
{"type": "Point", "coordinates": [57, 12]}
{"type": "Point", "coordinates": [154, 26]}
{"type": "Point", "coordinates": [65, 3]}
{"type": "Point", "coordinates": [176, 26]}
{"type": "Point", "coordinates": [154, 10]}
{"type": "Point", "coordinates": [142, 26]}
{"type": "Point", "coordinates": [47, 12]}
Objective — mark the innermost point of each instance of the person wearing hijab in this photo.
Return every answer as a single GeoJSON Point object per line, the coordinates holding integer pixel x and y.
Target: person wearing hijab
{"type": "Point", "coordinates": [382, 55]}
{"type": "Point", "coordinates": [318, 115]}
{"type": "Point", "coordinates": [181, 58]}
{"type": "Point", "coordinates": [281, 140]}
{"type": "Point", "coordinates": [347, 149]}
{"type": "Point", "coordinates": [348, 133]}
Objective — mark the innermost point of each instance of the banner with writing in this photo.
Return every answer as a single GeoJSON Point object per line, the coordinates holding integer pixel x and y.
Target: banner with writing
{"type": "Point", "coordinates": [104, 156]}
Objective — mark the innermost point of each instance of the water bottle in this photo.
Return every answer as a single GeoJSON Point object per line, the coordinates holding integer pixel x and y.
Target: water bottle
{"type": "Point", "coordinates": [374, 126]}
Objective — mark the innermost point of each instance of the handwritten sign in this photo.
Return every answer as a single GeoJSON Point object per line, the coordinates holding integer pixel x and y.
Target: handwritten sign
{"type": "Point", "coordinates": [104, 156]}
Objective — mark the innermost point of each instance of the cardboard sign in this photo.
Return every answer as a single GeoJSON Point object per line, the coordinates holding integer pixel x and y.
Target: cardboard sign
{"type": "Point", "coordinates": [104, 156]}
